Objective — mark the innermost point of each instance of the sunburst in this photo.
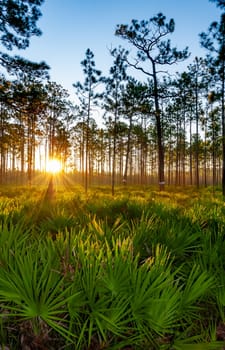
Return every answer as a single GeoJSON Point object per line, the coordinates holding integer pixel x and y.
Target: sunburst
{"type": "Point", "coordinates": [54, 166]}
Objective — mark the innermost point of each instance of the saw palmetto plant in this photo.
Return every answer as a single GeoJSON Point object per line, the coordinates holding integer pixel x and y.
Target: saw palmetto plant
{"type": "Point", "coordinates": [76, 277]}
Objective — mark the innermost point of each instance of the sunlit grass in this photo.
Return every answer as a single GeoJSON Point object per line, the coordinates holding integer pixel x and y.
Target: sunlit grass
{"type": "Point", "coordinates": [142, 269]}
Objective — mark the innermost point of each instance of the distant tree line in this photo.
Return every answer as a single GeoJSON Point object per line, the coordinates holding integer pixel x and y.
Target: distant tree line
{"type": "Point", "coordinates": [163, 129]}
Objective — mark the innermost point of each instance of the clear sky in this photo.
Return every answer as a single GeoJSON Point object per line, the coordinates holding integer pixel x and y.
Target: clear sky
{"type": "Point", "coordinates": [71, 26]}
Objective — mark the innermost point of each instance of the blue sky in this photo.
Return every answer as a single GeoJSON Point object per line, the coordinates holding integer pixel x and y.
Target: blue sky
{"type": "Point", "coordinates": [71, 26]}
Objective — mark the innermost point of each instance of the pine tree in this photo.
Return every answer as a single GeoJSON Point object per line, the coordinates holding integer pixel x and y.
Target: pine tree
{"type": "Point", "coordinates": [148, 37]}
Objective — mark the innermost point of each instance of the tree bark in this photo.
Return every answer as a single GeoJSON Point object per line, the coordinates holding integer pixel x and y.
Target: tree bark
{"type": "Point", "coordinates": [161, 177]}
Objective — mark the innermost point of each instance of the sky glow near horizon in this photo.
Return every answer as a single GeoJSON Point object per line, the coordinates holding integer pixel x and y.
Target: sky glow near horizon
{"type": "Point", "coordinates": [69, 27]}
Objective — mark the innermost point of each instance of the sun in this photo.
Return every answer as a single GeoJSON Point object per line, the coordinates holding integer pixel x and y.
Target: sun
{"type": "Point", "coordinates": [53, 166]}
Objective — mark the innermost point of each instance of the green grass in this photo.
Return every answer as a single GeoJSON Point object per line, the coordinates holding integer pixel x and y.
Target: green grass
{"type": "Point", "coordinates": [141, 270]}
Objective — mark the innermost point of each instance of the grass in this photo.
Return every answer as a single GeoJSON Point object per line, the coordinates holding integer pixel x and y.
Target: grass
{"type": "Point", "coordinates": [141, 270]}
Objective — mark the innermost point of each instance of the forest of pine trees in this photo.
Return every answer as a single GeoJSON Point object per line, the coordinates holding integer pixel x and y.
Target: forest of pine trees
{"type": "Point", "coordinates": [161, 129]}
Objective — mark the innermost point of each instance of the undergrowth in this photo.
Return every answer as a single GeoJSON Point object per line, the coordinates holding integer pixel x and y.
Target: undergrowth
{"type": "Point", "coordinates": [142, 270]}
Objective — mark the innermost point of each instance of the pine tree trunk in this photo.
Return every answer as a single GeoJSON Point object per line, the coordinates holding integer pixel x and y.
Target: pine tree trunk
{"type": "Point", "coordinates": [161, 178]}
{"type": "Point", "coordinates": [223, 132]}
